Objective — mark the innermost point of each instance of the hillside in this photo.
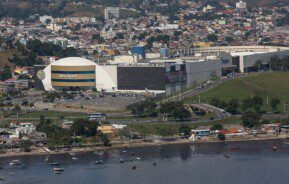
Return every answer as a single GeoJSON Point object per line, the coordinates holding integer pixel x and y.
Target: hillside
{"type": "Point", "coordinates": [275, 84]}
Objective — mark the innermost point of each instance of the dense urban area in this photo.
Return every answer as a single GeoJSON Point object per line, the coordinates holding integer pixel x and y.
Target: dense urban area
{"type": "Point", "coordinates": [94, 74]}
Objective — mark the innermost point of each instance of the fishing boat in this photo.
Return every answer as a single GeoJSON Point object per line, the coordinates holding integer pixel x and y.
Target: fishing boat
{"type": "Point", "coordinates": [14, 162]}
{"type": "Point", "coordinates": [11, 173]}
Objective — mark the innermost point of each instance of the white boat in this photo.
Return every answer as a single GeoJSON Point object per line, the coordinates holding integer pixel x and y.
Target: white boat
{"type": "Point", "coordinates": [74, 158]}
{"type": "Point", "coordinates": [98, 162]}
{"type": "Point", "coordinates": [58, 170]}
{"type": "Point", "coordinates": [14, 162]}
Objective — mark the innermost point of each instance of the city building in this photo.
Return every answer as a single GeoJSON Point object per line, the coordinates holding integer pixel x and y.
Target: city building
{"type": "Point", "coordinates": [111, 13]}
{"type": "Point", "coordinates": [241, 5]}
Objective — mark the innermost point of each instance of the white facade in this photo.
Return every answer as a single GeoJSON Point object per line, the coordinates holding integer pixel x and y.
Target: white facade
{"type": "Point", "coordinates": [103, 80]}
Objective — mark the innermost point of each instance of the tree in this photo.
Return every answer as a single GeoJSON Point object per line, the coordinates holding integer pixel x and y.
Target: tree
{"type": "Point", "coordinates": [247, 104]}
{"type": "Point", "coordinates": [168, 107]}
{"type": "Point", "coordinates": [221, 137]}
{"type": "Point", "coordinates": [145, 107]}
{"type": "Point", "coordinates": [25, 145]}
{"type": "Point", "coordinates": [185, 130]}
{"type": "Point", "coordinates": [84, 127]}
{"type": "Point", "coordinates": [17, 108]}
{"type": "Point", "coordinates": [6, 73]}
{"type": "Point", "coordinates": [229, 39]}
{"type": "Point", "coordinates": [257, 102]}
{"type": "Point", "coordinates": [218, 103]}
{"type": "Point", "coordinates": [212, 38]}
{"type": "Point", "coordinates": [233, 106]}
{"type": "Point", "coordinates": [274, 103]}
{"type": "Point", "coordinates": [217, 126]}
{"type": "Point", "coordinates": [182, 113]}
{"type": "Point", "coordinates": [250, 119]}
{"type": "Point", "coordinates": [25, 103]}
{"type": "Point", "coordinates": [104, 138]}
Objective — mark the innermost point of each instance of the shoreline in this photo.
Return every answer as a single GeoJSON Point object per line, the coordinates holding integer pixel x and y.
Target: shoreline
{"type": "Point", "coordinates": [129, 145]}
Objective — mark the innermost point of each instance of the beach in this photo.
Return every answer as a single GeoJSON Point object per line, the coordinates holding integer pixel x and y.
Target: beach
{"type": "Point", "coordinates": [134, 144]}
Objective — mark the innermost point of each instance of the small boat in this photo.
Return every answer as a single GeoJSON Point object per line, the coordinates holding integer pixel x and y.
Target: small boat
{"type": "Point", "coordinates": [2, 178]}
{"type": "Point", "coordinates": [154, 164]}
{"type": "Point", "coordinates": [138, 158]}
{"type": "Point", "coordinates": [167, 156]}
{"type": "Point", "coordinates": [74, 158]}
{"type": "Point", "coordinates": [133, 167]}
{"type": "Point", "coordinates": [58, 170]}
{"type": "Point", "coordinates": [274, 148]}
{"type": "Point", "coordinates": [72, 154]}
{"type": "Point", "coordinates": [14, 162]}
{"type": "Point", "coordinates": [54, 164]}
{"type": "Point", "coordinates": [11, 173]}
{"type": "Point", "coordinates": [121, 161]}
{"type": "Point", "coordinates": [124, 151]}
{"type": "Point", "coordinates": [226, 156]}
{"type": "Point", "coordinates": [46, 159]}
{"type": "Point", "coordinates": [98, 162]}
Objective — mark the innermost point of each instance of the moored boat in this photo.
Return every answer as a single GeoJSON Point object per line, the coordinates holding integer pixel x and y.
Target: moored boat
{"type": "Point", "coordinates": [14, 162]}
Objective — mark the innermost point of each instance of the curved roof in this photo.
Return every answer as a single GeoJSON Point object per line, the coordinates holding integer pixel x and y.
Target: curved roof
{"type": "Point", "coordinates": [73, 61]}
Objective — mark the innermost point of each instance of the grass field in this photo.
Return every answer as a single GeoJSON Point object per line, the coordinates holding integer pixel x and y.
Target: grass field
{"type": "Point", "coordinates": [171, 129]}
{"type": "Point", "coordinates": [47, 114]}
{"type": "Point", "coordinates": [273, 85]}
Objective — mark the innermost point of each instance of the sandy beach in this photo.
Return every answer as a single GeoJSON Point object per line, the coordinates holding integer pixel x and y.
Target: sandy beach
{"type": "Point", "coordinates": [132, 144]}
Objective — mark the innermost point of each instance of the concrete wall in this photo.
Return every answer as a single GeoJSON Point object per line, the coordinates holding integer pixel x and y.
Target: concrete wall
{"type": "Point", "coordinates": [250, 60]}
{"type": "Point", "coordinates": [202, 71]}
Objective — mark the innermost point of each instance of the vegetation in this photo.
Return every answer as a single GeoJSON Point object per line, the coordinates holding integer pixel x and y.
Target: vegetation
{"type": "Point", "coordinates": [216, 126]}
{"type": "Point", "coordinates": [251, 119]}
{"type": "Point", "coordinates": [81, 128]}
{"type": "Point", "coordinates": [6, 73]}
{"type": "Point", "coordinates": [267, 85]}
{"type": "Point", "coordinates": [143, 108]}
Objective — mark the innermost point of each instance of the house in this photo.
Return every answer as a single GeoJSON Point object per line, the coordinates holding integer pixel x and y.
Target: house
{"type": "Point", "coordinates": [25, 128]}
{"type": "Point", "coordinates": [66, 124]}
{"type": "Point", "coordinates": [201, 133]}
{"type": "Point", "coordinates": [107, 129]}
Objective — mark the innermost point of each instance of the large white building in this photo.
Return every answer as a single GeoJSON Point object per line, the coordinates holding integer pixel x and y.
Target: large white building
{"type": "Point", "coordinates": [75, 73]}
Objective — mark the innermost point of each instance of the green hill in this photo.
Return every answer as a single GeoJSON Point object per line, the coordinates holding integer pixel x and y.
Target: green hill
{"type": "Point", "coordinates": [273, 85]}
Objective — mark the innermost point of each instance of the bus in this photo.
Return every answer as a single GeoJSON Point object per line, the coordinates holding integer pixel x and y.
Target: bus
{"type": "Point", "coordinates": [96, 116]}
